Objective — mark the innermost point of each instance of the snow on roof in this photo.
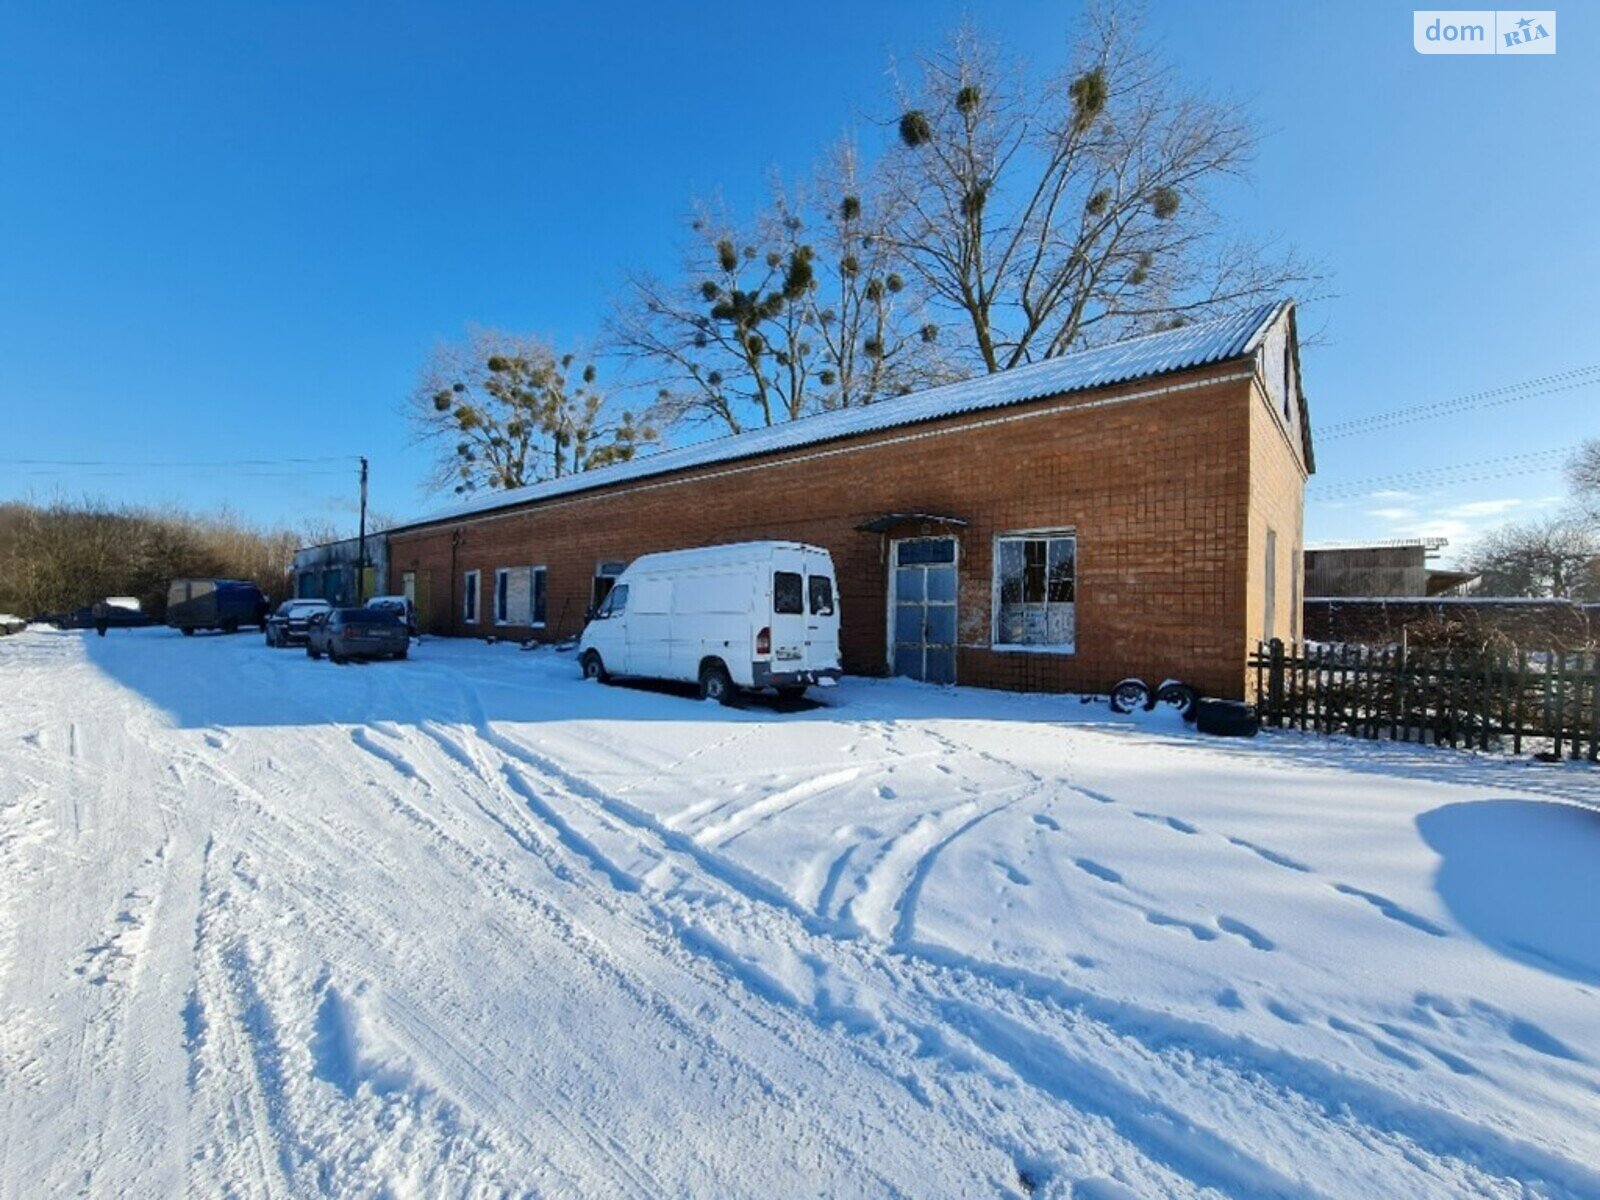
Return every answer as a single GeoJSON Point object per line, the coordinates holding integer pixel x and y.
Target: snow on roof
{"type": "Point", "coordinates": [1152, 354]}
{"type": "Point", "coordinates": [1423, 543]}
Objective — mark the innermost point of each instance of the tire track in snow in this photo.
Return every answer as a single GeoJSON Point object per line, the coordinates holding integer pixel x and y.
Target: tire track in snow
{"type": "Point", "coordinates": [1156, 1034]}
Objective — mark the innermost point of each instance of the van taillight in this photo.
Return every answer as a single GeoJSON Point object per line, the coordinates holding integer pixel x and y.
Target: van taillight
{"type": "Point", "coordinates": [764, 642]}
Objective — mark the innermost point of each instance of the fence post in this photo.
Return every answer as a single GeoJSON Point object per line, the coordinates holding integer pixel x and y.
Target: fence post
{"type": "Point", "coordinates": [1275, 683]}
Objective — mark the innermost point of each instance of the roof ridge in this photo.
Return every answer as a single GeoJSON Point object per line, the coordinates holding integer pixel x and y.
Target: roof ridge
{"type": "Point", "coordinates": [1094, 367]}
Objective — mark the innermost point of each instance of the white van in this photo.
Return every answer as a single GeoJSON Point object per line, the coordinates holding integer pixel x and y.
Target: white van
{"type": "Point", "coordinates": [749, 615]}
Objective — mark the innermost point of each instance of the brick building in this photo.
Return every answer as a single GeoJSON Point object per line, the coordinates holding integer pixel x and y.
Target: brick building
{"type": "Point", "coordinates": [1134, 509]}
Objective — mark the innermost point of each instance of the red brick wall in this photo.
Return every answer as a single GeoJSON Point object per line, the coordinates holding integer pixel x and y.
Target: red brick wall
{"type": "Point", "coordinates": [1157, 489]}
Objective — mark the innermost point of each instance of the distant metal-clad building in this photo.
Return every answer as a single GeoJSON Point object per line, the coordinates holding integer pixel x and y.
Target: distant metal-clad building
{"type": "Point", "coordinates": [1388, 569]}
{"type": "Point", "coordinates": [331, 571]}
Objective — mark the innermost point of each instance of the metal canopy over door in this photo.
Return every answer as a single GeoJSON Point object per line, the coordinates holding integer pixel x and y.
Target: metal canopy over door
{"type": "Point", "coordinates": [922, 609]}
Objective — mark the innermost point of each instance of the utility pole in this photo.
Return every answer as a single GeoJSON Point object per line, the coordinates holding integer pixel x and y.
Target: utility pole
{"type": "Point", "coordinates": [361, 541]}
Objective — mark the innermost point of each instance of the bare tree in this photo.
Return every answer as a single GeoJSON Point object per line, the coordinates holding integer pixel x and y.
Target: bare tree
{"type": "Point", "coordinates": [876, 340]}
{"type": "Point", "coordinates": [507, 410]}
{"type": "Point", "coordinates": [63, 554]}
{"type": "Point", "coordinates": [727, 342]}
{"type": "Point", "coordinates": [1557, 557]}
{"type": "Point", "coordinates": [1583, 477]}
{"type": "Point", "coordinates": [1047, 217]}
{"type": "Point", "coordinates": [801, 309]}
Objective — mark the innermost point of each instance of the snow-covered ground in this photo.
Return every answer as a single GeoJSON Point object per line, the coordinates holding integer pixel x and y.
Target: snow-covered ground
{"type": "Point", "coordinates": [466, 925]}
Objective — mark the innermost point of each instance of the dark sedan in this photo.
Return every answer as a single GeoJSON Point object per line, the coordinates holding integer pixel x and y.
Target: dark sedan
{"type": "Point", "coordinates": [349, 633]}
{"type": "Point", "coordinates": [291, 623]}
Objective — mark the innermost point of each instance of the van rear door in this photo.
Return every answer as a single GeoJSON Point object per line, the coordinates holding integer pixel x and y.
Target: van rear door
{"type": "Point", "coordinates": [822, 614]}
{"type": "Point", "coordinates": [788, 613]}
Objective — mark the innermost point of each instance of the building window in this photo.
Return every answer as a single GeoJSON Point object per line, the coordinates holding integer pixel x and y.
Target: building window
{"type": "Point", "coordinates": [408, 586]}
{"type": "Point", "coordinates": [308, 586]}
{"type": "Point", "coordinates": [502, 595]}
{"type": "Point", "coordinates": [1272, 584]}
{"type": "Point", "coordinates": [1035, 592]}
{"type": "Point", "coordinates": [519, 596]}
{"type": "Point", "coordinates": [1296, 603]}
{"type": "Point", "coordinates": [469, 597]}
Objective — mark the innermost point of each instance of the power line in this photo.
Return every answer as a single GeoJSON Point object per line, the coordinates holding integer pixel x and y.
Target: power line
{"type": "Point", "coordinates": [219, 463]}
{"type": "Point", "coordinates": [1502, 467]}
{"type": "Point", "coordinates": [235, 474]}
{"type": "Point", "coordinates": [1528, 389]}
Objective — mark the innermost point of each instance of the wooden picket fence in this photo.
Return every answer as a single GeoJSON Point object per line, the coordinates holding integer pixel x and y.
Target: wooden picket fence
{"type": "Point", "coordinates": [1548, 700]}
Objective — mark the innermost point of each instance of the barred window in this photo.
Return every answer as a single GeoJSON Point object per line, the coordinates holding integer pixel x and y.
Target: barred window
{"type": "Point", "coordinates": [1035, 588]}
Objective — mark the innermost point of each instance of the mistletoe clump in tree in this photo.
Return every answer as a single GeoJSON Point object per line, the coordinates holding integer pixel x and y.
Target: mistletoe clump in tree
{"type": "Point", "coordinates": [1040, 217]}
{"type": "Point", "coordinates": [800, 310]}
{"type": "Point", "coordinates": [506, 411]}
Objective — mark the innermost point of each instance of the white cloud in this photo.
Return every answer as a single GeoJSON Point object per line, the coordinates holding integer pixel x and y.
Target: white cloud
{"type": "Point", "coordinates": [1484, 508]}
{"type": "Point", "coordinates": [1392, 514]}
{"type": "Point", "coordinates": [1392, 494]}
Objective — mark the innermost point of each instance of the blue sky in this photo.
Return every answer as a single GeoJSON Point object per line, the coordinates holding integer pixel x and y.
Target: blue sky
{"type": "Point", "coordinates": [232, 232]}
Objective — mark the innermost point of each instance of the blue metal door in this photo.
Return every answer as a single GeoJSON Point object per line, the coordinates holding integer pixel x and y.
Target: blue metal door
{"type": "Point", "coordinates": [922, 609]}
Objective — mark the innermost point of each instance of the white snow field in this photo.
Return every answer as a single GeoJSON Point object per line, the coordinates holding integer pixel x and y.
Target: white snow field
{"type": "Point", "coordinates": [467, 926]}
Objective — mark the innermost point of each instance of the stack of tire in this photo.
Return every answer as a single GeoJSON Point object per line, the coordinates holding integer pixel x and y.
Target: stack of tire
{"type": "Point", "coordinates": [1220, 718]}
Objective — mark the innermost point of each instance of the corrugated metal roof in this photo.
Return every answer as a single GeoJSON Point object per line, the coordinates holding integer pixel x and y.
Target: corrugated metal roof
{"type": "Point", "coordinates": [1153, 354]}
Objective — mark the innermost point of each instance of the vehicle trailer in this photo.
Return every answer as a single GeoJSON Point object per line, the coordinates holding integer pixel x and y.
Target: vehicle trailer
{"type": "Point", "coordinates": [225, 604]}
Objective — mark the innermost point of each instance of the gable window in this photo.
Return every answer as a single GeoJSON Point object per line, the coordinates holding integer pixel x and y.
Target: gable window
{"type": "Point", "coordinates": [469, 597]}
{"type": "Point", "coordinates": [1035, 592]}
{"type": "Point", "coordinates": [1288, 384]}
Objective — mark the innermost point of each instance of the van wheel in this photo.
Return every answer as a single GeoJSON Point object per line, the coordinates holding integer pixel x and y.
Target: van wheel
{"type": "Point", "coordinates": [188, 631]}
{"type": "Point", "coordinates": [230, 626]}
{"type": "Point", "coordinates": [594, 668]}
{"type": "Point", "coordinates": [715, 683]}
{"type": "Point", "coordinates": [312, 651]}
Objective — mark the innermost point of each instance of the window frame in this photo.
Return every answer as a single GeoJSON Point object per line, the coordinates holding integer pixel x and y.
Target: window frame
{"type": "Point", "coordinates": [1269, 585]}
{"type": "Point", "coordinates": [799, 592]}
{"type": "Point", "coordinates": [469, 615]}
{"type": "Point", "coordinates": [500, 608]}
{"type": "Point", "coordinates": [536, 620]}
{"type": "Point", "coordinates": [995, 586]}
{"type": "Point", "coordinates": [811, 596]}
{"type": "Point", "coordinates": [502, 596]}
{"type": "Point", "coordinates": [608, 607]}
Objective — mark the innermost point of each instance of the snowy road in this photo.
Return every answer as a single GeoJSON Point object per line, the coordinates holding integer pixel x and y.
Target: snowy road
{"type": "Point", "coordinates": [468, 926]}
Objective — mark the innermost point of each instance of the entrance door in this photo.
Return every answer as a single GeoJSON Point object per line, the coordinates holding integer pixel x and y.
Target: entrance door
{"type": "Point", "coordinates": [414, 586]}
{"type": "Point", "coordinates": [922, 609]}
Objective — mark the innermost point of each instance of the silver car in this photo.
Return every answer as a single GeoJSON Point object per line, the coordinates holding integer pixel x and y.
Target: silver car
{"type": "Point", "coordinates": [291, 623]}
